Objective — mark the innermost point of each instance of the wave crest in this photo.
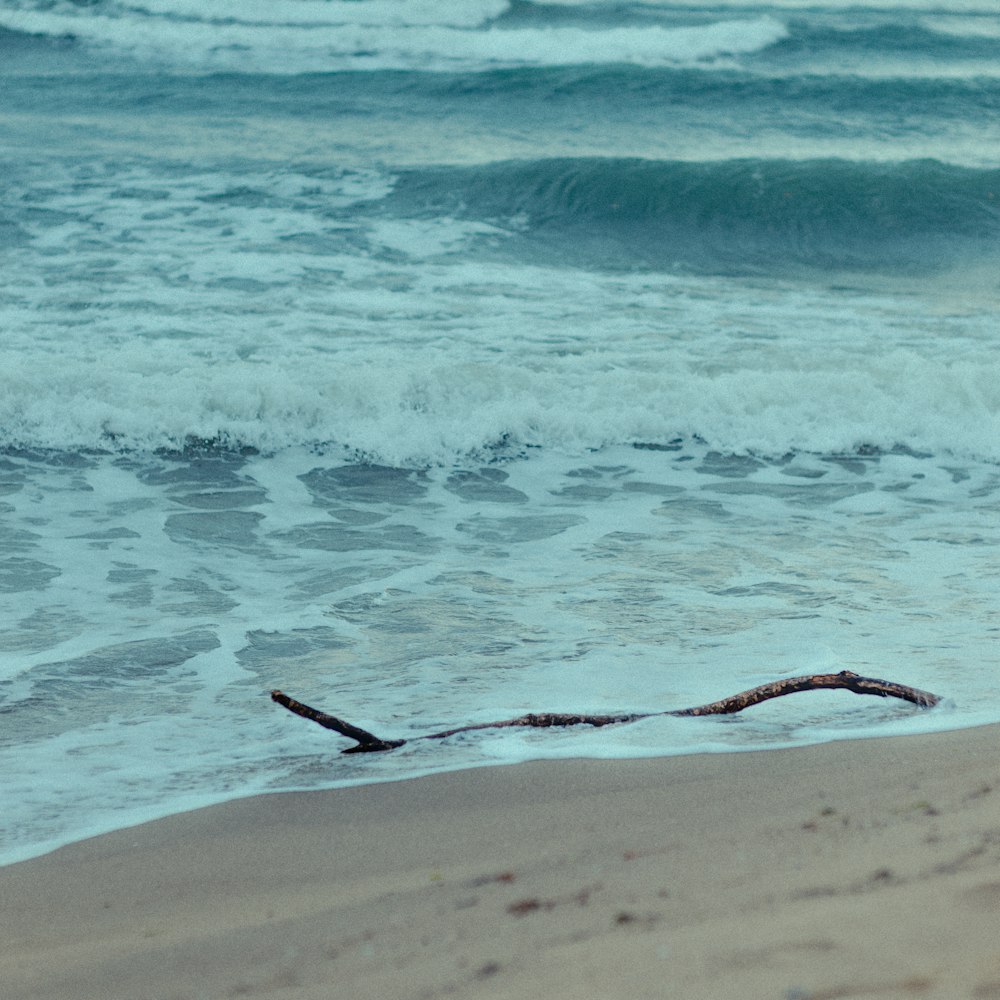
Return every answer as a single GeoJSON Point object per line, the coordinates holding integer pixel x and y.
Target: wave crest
{"type": "Point", "coordinates": [728, 217]}
{"type": "Point", "coordinates": [307, 37]}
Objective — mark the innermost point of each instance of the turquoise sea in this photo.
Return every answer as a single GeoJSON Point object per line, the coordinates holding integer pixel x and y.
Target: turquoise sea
{"type": "Point", "coordinates": [441, 361]}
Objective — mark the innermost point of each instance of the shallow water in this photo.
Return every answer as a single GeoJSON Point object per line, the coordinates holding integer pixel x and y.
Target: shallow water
{"type": "Point", "coordinates": [155, 601]}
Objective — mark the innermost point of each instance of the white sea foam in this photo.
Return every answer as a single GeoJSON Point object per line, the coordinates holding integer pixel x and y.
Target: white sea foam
{"type": "Point", "coordinates": [399, 13]}
{"type": "Point", "coordinates": [227, 308]}
{"type": "Point", "coordinates": [437, 403]}
{"type": "Point", "coordinates": [987, 26]}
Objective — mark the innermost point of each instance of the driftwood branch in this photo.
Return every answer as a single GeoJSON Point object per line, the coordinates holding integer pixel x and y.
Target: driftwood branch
{"type": "Point", "coordinates": [812, 682]}
{"type": "Point", "coordinates": [367, 742]}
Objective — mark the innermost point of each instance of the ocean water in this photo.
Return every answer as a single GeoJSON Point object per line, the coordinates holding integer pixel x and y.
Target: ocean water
{"type": "Point", "coordinates": [437, 362]}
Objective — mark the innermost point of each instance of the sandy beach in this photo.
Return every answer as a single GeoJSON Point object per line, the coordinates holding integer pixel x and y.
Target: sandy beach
{"type": "Point", "coordinates": [855, 869]}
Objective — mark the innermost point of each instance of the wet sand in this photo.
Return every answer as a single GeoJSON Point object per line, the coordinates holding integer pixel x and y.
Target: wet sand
{"type": "Point", "coordinates": [856, 869]}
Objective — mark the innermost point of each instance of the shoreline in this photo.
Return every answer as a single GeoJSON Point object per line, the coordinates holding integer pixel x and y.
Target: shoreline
{"type": "Point", "coordinates": [847, 869]}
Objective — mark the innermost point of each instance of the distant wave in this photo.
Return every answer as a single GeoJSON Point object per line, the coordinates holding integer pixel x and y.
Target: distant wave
{"type": "Point", "coordinates": [728, 217]}
{"type": "Point", "coordinates": [309, 36]}
{"type": "Point", "coordinates": [319, 36]}
{"type": "Point", "coordinates": [300, 36]}
{"type": "Point", "coordinates": [947, 39]}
